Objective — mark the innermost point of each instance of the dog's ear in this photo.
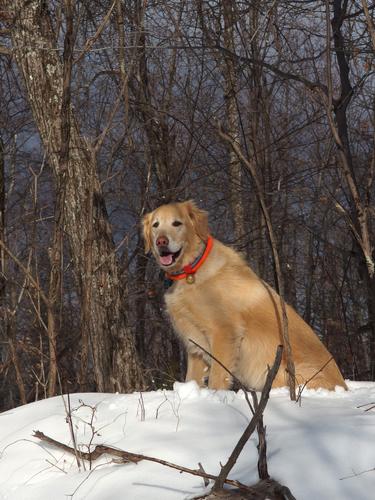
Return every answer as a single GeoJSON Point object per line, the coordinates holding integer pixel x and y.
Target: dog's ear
{"type": "Point", "coordinates": [146, 228]}
{"type": "Point", "coordinates": [199, 219]}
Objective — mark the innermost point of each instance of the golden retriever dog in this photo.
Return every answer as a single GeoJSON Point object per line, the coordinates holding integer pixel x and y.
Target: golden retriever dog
{"type": "Point", "coordinates": [216, 300]}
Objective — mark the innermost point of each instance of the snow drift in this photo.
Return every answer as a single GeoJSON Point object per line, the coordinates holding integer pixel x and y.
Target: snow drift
{"type": "Point", "coordinates": [323, 448]}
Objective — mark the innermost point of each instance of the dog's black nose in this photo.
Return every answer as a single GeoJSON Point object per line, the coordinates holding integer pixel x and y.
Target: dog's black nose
{"type": "Point", "coordinates": [162, 241]}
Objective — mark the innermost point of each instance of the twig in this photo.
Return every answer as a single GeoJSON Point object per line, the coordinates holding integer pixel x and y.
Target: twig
{"type": "Point", "coordinates": [370, 23]}
{"type": "Point", "coordinates": [141, 405]}
{"type": "Point", "coordinates": [302, 388]}
{"type": "Point", "coordinates": [243, 387]}
{"type": "Point", "coordinates": [2, 451]}
{"type": "Point", "coordinates": [90, 423]}
{"type": "Point", "coordinates": [262, 443]}
{"type": "Point", "coordinates": [90, 41]}
{"type": "Point", "coordinates": [262, 450]}
{"type": "Point", "coordinates": [70, 423]}
{"type": "Point", "coordinates": [371, 406]}
{"type": "Point", "coordinates": [37, 473]}
{"type": "Point", "coordinates": [205, 480]}
{"type": "Point", "coordinates": [57, 467]}
{"type": "Point", "coordinates": [357, 474]}
{"type": "Point", "coordinates": [71, 495]}
{"type": "Point", "coordinates": [26, 272]}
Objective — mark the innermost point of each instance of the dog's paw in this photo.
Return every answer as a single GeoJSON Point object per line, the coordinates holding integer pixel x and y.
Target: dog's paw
{"type": "Point", "coordinates": [222, 383]}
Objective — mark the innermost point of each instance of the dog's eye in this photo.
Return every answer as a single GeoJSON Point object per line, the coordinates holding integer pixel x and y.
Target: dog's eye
{"type": "Point", "coordinates": [155, 224]}
{"type": "Point", "coordinates": [176, 223]}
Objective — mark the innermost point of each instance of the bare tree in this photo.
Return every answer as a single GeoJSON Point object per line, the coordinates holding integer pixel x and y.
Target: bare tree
{"type": "Point", "coordinates": [85, 219]}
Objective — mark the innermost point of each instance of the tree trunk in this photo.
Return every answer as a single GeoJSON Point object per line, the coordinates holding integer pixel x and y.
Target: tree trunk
{"type": "Point", "coordinates": [115, 361]}
{"type": "Point", "coordinates": [233, 126]}
{"type": "Point", "coordinates": [359, 205]}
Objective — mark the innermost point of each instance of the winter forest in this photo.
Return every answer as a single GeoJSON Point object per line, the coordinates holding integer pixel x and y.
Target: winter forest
{"type": "Point", "coordinates": [110, 108]}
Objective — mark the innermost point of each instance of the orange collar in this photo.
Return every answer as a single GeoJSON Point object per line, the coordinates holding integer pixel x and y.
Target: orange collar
{"type": "Point", "coordinates": [189, 270]}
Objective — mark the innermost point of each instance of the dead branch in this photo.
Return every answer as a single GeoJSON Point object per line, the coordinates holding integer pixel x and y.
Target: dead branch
{"type": "Point", "coordinates": [129, 457]}
{"type": "Point", "coordinates": [269, 489]}
{"type": "Point", "coordinates": [71, 429]}
{"type": "Point", "coordinates": [263, 490]}
{"type": "Point", "coordinates": [26, 272]}
{"type": "Point", "coordinates": [90, 42]}
{"type": "Point", "coordinates": [370, 405]}
{"type": "Point", "coordinates": [356, 474]}
{"type": "Point", "coordinates": [284, 75]}
{"type": "Point", "coordinates": [262, 450]}
{"type": "Point", "coordinates": [370, 23]}
{"type": "Point", "coordinates": [219, 483]}
{"type": "Point", "coordinates": [262, 443]}
{"type": "Point", "coordinates": [5, 51]}
{"type": "Point", "coordinates": [244, 388]}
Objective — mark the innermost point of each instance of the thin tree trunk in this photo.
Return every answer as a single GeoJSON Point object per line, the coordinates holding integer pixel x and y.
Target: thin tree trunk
{"type": "Point", "coordinates": [53, 299]}
{"type": "Point", "coordinates": [232, 125]}
{"type": "Point", "coordinates": [358, 218]}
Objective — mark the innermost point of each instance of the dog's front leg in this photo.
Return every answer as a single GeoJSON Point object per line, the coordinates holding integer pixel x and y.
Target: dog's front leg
{"type": "Point", "coordinates": [225, 348]}
{"type": "Point", "coordinates": [197, 368]}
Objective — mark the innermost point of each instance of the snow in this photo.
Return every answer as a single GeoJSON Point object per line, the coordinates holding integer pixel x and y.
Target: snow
{"type": "Point", "coordinates": [322, 448]}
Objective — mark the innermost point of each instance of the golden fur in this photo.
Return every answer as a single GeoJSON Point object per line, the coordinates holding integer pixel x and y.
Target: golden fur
{"type": "Point", "coordinates": [230, 311]}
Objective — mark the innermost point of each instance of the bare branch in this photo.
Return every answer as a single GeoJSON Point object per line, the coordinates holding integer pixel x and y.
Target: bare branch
{"type": "Point", "coordinates": [26, 272]}
{"type": "Point", "coordinates": [285, 75]}
{"type": "Point", "coordinates": [90, 42]}
{"type": "Point", "coordinates": [129, 457]}
{"type": "Point", "coordinates": [243, 387]}
{"type": "Point", "coordinates": [370, 23]}
{"type": "Point", "coordinates": [5, 51]}
{"type": "Point", "coordinates": [219, 483]}
{"type": "Point", "coordinates": [302, 388]}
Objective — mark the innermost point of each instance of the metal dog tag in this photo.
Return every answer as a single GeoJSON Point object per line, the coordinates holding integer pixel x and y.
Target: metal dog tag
{"type": "Point", "coordinates": [190, 279]}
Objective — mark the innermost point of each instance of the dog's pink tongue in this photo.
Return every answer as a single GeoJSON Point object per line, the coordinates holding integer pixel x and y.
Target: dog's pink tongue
{"type": "Point", "coordinates": [166, 260]}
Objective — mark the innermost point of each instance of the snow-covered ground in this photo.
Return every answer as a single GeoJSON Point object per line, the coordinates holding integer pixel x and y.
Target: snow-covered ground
{"type": "Point", "coordinates": [322, 449]}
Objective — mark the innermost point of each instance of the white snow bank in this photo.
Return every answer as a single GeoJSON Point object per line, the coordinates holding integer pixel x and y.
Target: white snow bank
{"type": "Point", "coordinates": [312, 447]}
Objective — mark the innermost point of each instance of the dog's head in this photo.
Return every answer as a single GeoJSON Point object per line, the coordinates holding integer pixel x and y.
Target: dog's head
{"type": "Point", "coordinates": [174, 233]}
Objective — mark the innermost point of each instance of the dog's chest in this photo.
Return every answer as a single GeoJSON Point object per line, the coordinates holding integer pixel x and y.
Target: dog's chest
{"type": "Point", "coordinates": [184, 307]}
{"type": "Point", "coordinates": [201, 306]}
{"type": "Point", "coordinates": [181, 297]}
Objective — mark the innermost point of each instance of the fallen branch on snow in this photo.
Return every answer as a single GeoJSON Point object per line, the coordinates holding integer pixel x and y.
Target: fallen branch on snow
{"type": "Point", "coordinates": [129, 457]}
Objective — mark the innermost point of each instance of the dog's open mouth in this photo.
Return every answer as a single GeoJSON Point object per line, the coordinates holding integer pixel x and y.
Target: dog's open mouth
{"type": "Point", "coordinates": [167, 258]}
